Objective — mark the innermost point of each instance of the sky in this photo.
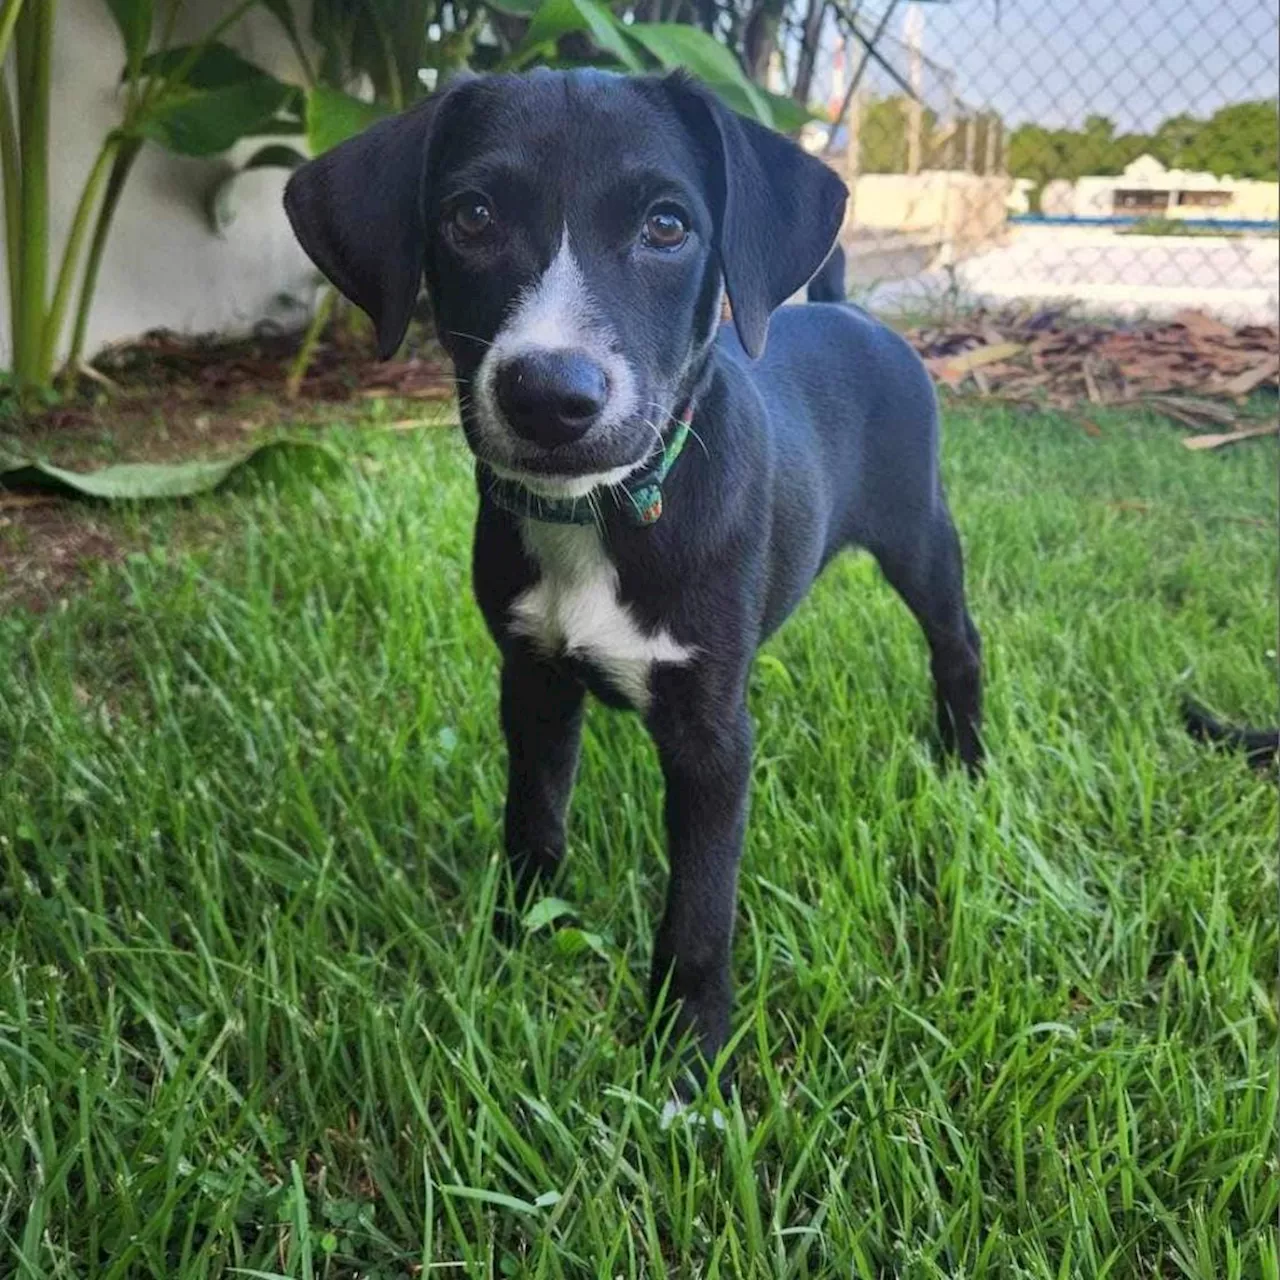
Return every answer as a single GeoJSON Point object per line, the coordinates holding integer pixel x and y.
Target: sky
{"type": "Point", "coordinates": [1054, 62]}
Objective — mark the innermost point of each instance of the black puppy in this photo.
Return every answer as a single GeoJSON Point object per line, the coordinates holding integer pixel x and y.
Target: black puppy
{"type": "Point", "coordinates": [576, 230]}
{"type": "Point", "coordinates": [1261, 747]}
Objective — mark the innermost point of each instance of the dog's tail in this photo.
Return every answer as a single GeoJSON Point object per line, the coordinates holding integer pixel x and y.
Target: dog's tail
{"type": "Point", "coordinates": [828, 284]}
{"type": "Point", "coordinates": [1260, 746]}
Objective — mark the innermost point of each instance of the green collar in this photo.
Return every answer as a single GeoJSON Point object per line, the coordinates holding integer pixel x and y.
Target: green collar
{"type": "Point", "coordinates": [642, 490]}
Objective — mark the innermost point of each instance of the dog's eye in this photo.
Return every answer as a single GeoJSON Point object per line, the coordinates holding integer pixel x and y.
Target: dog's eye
{"type": "Point", "coordinates": [664, 228]}
{"type": "Point", "coordinates": [472, 218]}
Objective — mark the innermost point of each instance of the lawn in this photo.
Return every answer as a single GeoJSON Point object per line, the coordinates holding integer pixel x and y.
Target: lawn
{"type": "Point", "coordinates": [253, 1022]}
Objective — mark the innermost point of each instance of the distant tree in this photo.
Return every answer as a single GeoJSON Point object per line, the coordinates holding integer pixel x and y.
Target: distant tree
{"type": "Point", "coordinates": [1242, 140]}
{"type": "Point", "coordinates": [1174, 142]}
{"type": "Point", "coordinates": [884, 134]}
{"type": "Point", "coordinates": [1043, 155]}
{"type": "Point", "coordinates": [1126, 148]}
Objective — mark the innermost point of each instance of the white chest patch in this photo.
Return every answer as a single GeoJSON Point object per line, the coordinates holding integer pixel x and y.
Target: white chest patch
{"type": "Point", "coordinates": [574, 609]}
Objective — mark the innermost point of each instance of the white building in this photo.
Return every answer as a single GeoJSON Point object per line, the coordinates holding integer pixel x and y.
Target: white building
{"type": "Point", "coordinates": [1146, 189]}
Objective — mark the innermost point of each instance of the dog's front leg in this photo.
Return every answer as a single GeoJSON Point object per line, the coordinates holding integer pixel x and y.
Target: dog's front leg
{"type": "Point", "coordinates": [703, 735]}
{"type": "Point", "coordinates": [541, 710]}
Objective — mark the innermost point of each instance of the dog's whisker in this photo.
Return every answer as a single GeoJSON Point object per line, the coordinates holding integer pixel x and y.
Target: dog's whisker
{"type": "Point", "coordinates": [702, 444]}
{"type": "Point", "coordinates": [470, 337]}
{"type": "Point", "coordinates": [665, 412]}
{"type": "Point", "coordinates": [657, 435]}
{"type": "Point", "coordinates": [672, 420]}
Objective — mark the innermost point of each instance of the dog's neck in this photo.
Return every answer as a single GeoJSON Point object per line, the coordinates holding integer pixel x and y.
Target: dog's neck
{"type": "Point", "coordinates": [639, 496]}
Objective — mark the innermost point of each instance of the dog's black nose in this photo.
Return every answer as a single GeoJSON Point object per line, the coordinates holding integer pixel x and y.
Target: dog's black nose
{"type": "Point", "coordinates": [551, 397]}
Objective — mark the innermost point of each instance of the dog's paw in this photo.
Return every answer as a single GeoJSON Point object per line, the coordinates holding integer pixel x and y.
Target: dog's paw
{"type": "Point", "coordinates": [507, 924]}
{"type": "Point", "coordinates": [971, 753]}
{"type": "Point", "coordinates": [680, 1111]}
{"type": "Point", "coordinates": [692, 1082]}
{"type": "Point", "coordinates": [962, 744]}
{"type": "Point", "coordinates": [530, 877]}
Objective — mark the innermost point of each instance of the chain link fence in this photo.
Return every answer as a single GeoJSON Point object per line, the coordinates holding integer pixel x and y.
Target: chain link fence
{"type": "Point", "coordinates": [1120, 155]}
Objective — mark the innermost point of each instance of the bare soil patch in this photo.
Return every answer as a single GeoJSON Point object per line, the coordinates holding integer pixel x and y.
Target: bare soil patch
{"type": "Point", "coordinates": [168, 398]}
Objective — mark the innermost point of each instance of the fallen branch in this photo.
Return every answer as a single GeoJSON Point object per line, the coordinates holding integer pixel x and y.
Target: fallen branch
{"type": "Point", "coordinates": [1229, 437]}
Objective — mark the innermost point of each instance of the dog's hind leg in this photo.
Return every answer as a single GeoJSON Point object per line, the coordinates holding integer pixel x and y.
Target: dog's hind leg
{"type": "Point", "coordinates": [541, 710]}
{"type": "Point", "coordinates": [929, 577]}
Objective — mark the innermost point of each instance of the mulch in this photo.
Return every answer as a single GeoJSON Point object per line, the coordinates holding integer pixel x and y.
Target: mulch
{"type": "Point", "coordinates": [171, 397]}
{"type": "Point", "coordinates": [1193, 367]}
{"type": "Point", "coordinates": [341, 368]}
{"type": "Point", "coordinates": [166, 397]}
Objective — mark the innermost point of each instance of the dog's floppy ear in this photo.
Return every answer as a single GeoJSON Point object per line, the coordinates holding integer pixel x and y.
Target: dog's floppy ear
{"type": "Point", "coordinates": [357, 211]}
{"type": "Point", "coordinates": [778, 211]}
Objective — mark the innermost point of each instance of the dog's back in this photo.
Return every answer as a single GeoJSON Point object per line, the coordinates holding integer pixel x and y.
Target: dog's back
{"type": "Point", "coordinates": [865, 445]}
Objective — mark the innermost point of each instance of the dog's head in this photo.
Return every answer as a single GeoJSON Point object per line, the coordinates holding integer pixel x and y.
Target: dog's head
{"type": "Point", "coordinates": [573, 229]}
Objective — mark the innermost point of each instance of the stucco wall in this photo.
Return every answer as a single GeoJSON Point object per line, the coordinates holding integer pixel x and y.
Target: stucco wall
{"type": "Point", "coordinates": [961, 208]}
{"type": "Point", "coordinates": [163, 266]}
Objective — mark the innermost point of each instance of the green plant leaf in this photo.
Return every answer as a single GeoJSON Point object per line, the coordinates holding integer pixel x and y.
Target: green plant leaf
{"type": "Point", "coordinates": [573, 941]}
{"type": "Point", "coordinates": [675, 44]}
{"type": "Point", "coordinates": [206, 121]}
{"type": "Point", "coordinates": [333, 117]}
{"type": "Point", "coordinates": [279, 126]}
{"type": "Point", "coordinates": [521, 8]}
{"type": "Point", "coordinates": [150, 481]}
{"type": "Point", "coordinates": [788, 114]}
{"type": "Point", "coordinates": [216, 66]}
{"type": "Point", "coordinates": [452, 52]}
{"type": "Point", "coordinates": [134, 18]}
{"type": "Point", "coordinates": [275, 156]}
{"type": "Point", "coordinates": [220, 205]}
{"type": "Point", "coordinates": [556, 18]}
{"type": "Point", "coordinates": [546, 911]}
{"type": "Point", "coordinates": [785, 115]}
{"type": "Point", "coordinates": [738, 99]}
{"type": "Point", "coordinates": [498, 1198]}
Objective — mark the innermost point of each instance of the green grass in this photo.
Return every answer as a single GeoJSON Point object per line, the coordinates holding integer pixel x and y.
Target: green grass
{"type": "Point", "coordinates": [252, 1017]}
{"type": "Point", "coordinates": [1177, 227]}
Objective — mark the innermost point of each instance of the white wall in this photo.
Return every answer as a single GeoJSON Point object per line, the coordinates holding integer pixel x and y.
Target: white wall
{"type": "Point", "coordinates": [164, 267]}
